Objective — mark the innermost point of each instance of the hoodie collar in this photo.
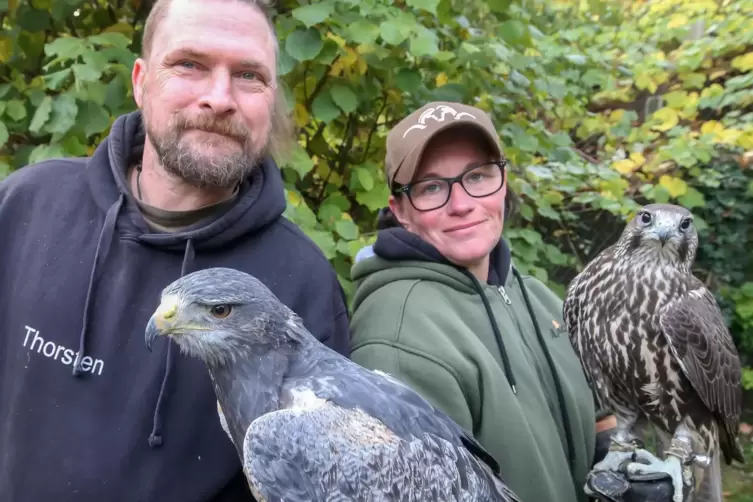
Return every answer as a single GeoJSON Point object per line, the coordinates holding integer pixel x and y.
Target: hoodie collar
{"type": "Point", "coordinates": [400, 244]}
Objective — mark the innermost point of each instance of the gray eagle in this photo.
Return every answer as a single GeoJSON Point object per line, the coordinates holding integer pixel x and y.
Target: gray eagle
{"type": "Point", "coordinates": [653, 344]}
{"type": "Point", "coordinates": [308, 424]}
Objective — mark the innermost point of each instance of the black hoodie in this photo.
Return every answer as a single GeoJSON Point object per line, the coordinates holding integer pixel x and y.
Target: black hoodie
{"type": "Point", "coordinates": [81, 272]}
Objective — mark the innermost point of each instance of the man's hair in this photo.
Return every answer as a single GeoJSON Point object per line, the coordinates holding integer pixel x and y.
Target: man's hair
{"type": "Point", "coordinates": [281, 128]}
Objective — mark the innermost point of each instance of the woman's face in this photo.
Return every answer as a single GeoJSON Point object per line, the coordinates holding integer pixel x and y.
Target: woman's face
{"type": "Point", "coordinates": [466, 228]}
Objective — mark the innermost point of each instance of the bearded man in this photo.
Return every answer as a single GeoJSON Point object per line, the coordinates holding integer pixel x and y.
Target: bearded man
{"type": "Point", "coordinates": [185, 183]}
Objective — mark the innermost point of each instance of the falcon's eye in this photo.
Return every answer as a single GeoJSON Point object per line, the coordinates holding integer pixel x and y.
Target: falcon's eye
{"type": "Point", "coordinates": [685, 224]}
{"type": "Point", "coordinates": [646, 218]}
{"type": "Point", "coordinates": [220, 311]}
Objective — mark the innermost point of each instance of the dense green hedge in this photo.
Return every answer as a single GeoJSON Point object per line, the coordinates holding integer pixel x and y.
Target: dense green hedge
{"type": "Point", "coordinates": [602, 105]}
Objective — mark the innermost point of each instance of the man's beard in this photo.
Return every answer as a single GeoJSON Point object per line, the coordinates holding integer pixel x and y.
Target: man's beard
{"type": "Point", "coordinates": [188, 161]}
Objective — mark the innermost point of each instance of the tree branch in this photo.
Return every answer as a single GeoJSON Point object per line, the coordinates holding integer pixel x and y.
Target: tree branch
{"type": "Point", "coordinates": [319, 85]}
{"type": "Point", "coordinates": [373, 129]}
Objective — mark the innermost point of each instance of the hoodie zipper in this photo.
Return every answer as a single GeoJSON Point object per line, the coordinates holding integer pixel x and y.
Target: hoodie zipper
{"type": "Point", "coordinates": [502, 292]}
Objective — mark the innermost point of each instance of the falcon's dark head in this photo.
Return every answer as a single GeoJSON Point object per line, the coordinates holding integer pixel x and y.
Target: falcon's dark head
{"type": "Point", "coordinates": [662, 232]}
{"type": "Point", "coordinates": [218, 314]}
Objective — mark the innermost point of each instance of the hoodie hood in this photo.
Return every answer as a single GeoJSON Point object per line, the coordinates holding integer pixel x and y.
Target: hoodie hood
{"type": "Point", "coordinates": [260, 202]}
{"type": "Point", "coordinates": [261, 197]}
{"type": "Point", "coordinates": [400, 254]}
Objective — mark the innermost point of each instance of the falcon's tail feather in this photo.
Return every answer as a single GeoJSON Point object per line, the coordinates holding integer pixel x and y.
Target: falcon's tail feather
{"type": "Point", "coordinates": [709, 489]}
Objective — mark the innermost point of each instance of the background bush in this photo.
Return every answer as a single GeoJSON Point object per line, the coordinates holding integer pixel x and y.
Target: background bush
{"type": "Point", "coordinates": [602, 106]}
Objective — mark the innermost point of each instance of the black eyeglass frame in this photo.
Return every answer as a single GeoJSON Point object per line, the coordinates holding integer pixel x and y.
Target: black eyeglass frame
{"type": "Point", "coordinates": [405, 189]}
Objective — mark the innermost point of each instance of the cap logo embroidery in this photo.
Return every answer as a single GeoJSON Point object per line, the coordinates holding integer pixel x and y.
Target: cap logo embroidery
{"type": "Point", "coordinates": [443, 111]}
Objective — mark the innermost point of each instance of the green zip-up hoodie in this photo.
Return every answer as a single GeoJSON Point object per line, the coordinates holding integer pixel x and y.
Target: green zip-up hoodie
{"type": "Point", "coordinates": [432, 325]}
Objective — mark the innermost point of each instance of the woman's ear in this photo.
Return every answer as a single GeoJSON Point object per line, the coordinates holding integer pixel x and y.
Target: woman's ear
{"type": "Point", "coordinates": [396, 209]}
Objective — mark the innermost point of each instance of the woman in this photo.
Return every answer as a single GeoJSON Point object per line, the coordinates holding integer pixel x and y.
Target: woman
{"type": "Point", "coordinates": [439, 305]}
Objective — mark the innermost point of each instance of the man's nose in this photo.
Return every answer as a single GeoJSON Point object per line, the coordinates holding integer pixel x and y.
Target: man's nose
{"type": "Point", "coordinates": [219, 94]}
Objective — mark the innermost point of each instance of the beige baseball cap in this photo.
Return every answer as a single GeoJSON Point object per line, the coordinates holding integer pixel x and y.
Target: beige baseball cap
{"type": "Point", "coordinates": [408, 139]}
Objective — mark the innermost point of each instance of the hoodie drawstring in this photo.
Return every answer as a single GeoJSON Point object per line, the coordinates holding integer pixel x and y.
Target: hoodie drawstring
{"type": "Point", "coordinates": [103, 246]}
{"type": "Point", "coordinates": [555, 376]}
{"type": "Point", "coordinates": [544, 348]}
{"type": "Point", "coordinates": [155, 437]}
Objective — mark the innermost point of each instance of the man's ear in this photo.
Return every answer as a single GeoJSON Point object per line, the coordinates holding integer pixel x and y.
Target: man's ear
{"type": "Point", "coordinates": [138, 75]}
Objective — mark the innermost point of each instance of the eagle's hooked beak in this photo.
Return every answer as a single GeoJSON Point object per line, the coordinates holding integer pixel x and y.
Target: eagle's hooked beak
{"type": "Point", "coordinates": [162, 321]}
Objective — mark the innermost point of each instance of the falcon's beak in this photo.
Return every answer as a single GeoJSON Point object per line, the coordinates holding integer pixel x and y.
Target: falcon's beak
{"type": "Point", "coordinates": [163, 321]}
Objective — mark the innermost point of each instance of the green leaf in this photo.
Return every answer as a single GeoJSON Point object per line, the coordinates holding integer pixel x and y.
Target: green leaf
{"type": "Point", "coordinates": [46, 152]}
{"type": "Point", "coordinates": [63, 116]}
{"type": "Point", "coordinates": [4, 135]}
{"type": "Point", "coordinates": [15, 109]}
{"type": "Point", "coordinates": [425, 44]}
{"type": "Point", "coordinates": [395, 31]}
{"type": "Point", "coordinates": [300, 161]}
{"type": "Point", "coordinates": [427, 5]}
{"type": "Point", "coordinates": [324, 108]}
{"type": "Point", "coordinates": [323, 240]}
{"type": "Point", "coordinates": [92, 118]}
{"type": "Point", "coordinates": [408, 80]}
{"type": "Point", "coordinates": [365, 178]}
{"type": "Point", "coordinates": [514, 32]}
{"type": "Point", "coordinates": [56, 80]}
{"type": "Point", "coordinates": [111, 39]}
{"type": "Point", "coordinates": [314, 13]}
{"type": "Point", "coordinates": [344, 97]}
{"type": "Point", "coordinates": [65, 48]}
{"type": "Point", "coordinates": [374, 199]}
{"type": "Point", "coordinates": [363, 32]}
{"type": "Point", "coordinates": [41, 115]}
{"type": "Point", "coordinates": [500, 6]}
{"type": "Point", "coordinates": [692, 198]}
{"type": "Point", "coordinates": [347, 229]}
{"type": "Point", "coordinates": [86, 73]}
{"type": "Point", "coordinates": [304, 45]}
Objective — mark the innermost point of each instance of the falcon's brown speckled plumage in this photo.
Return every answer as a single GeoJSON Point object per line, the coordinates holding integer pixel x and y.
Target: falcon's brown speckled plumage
{"type": "Point", "coordinates": [653, 344]}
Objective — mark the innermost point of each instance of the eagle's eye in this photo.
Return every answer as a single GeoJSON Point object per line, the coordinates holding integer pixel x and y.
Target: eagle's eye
{"type": "Point", "coordinates": [685, 225]}
{"type": "Point", "coordinates": [646, 218]}
{"type": "Point", "coordinates": [220, 311]}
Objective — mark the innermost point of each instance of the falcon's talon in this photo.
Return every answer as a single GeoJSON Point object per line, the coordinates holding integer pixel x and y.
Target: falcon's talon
{"type": "Point", "coordinates": [613, 460]}
{"type": "Point", "coordinates": [672, 466]}
{"type": "Point", "coordinates": [700, 460]}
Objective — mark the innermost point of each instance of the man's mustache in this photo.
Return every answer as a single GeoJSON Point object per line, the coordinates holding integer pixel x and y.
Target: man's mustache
{"type": "Point", "coordinates": [209, 124]}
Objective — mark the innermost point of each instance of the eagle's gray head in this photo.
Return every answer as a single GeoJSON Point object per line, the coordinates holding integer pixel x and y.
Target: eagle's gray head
{"type": "Point", "coordinates": [218, 314]}
{"type": "Point", "coordinates": [661, 232]}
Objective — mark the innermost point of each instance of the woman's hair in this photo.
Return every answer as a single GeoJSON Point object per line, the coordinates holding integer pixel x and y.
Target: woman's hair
{"type": "Point", "coordinates": [387, 219]}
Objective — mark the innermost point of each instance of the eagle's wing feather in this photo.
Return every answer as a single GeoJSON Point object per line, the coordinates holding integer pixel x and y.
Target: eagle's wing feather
{"type": "Point", "coordinates": [696, 333]}
{"type": "Point", "coordinates": [350, 455]}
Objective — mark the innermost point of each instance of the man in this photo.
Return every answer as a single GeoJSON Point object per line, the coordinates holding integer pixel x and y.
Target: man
{"type": "Point", "coordinates": [187, 182]}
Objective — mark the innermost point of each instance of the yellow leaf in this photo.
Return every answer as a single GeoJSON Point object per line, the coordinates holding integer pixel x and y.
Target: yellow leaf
{"type": "Point", "coordinates": [441, 79]}
{"type": "Point", "coordinates": [746, 141]}
{"type": "Point", "coordinates": [677, 21]}
{"type": "Point", "coordinates": [638, 158]}
{"type": "Point", "coordinates": [294, 199]}
{"type": "Point", "coordinates": [6, 49]}
{"type": "Point", "coordinates": [675, 186]}
{"type": "Point", "coordinates": [664, 119]}
{"type": "Point", "coordinates": [718, 73]}
{"type": "Point", "coordinates": [616, 115]}
{"type": "Point", "coordinates": [624, 166]}
{"type": "Point", "coordinates": [124, 28]}
{"type": "Point", "coordinates": [711, 127]}
{"type": "Point", "coordinates": [743, 62]}
{"type": "Point", "coordinates": [338, 40]}
{"type": "Point", "coordinates": [301, 115]}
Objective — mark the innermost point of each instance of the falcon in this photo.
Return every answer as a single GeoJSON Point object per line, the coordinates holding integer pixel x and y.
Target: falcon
{"type": "Point", "coordinates": [307, 423]}
{"type": "Point", "coordinates": [654, 346]}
